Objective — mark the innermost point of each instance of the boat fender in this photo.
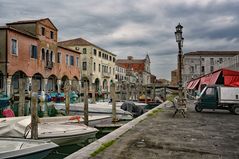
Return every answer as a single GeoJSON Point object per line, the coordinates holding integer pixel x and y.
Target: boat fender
{"type": "Point", "coordinates": [77, 117]}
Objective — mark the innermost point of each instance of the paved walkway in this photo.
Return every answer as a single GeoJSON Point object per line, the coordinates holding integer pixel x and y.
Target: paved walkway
{"type": "Point", "coordinates": [209, 135]}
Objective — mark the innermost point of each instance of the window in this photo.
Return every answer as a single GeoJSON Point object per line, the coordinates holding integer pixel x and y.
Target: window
{"type": "Point", "coordinates": [210, 91]}
{"type": "Point", "coordinates": [110, 69]}
{"type": "Point", "coordinates": [84, 51]}
{"type": "Point", "coordinates": [58, 57]}
{"type": "Point", "coordinates": [34, 51]}
{"type": "Point", "coordinates": [77, 61]}
{"type": "Point", "coordinates": [211, 61]}
{"type": "Point", "coordinates": [52, 57]}
{"type": "Point", "coordinates": [84, 66]}
{"type": "Point", "coordinates": [220, 60]}
{"type": "Point", "coordinates": [113, 59]}
{"type": "Point", "coordinates": [94, 66]}
{"type": "Point", "coordinates": [95, 52]}
{"type": "Point", "coordinates": [52, 34]}
{"type": "Point", "coordinates": [103, 55]}
{"type": "Point", "coordinates": [42, 31]}
{"type": "Point", "coordinates": [14, 47]}
{"type": "Point", "coordinates": [202, 69]}
{"type": "Point", "coordinates": [72, 60]}
{"type": "Point", "coordinates": [113, 71]}
{"type": "Point", "coordinates": [43, 54]}
{"type": "Point", "coordinates": [202, 59]}
{"type": "Point", "coordinates": [211, 68]}
{"type": "Point", "coordinates": [192, 69]}
{"type": "Point", "coordinates": [67, 59]}
{"type": "Point", "coordinates": [99, 54]}
{"type": "Point", "coordinates": [110, 58]}
{"type": "Point", "coordinates": [99, 67]}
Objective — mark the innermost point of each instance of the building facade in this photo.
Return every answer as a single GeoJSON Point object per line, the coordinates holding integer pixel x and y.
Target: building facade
{"type": "Point", "coordinates": [140, 66]}
{"type": "Point", "coordinates": [29, 50]}
{"type": "Point", "coordinates": [199, 63]}
{"type": "Point", "coordinates": [97, 64]}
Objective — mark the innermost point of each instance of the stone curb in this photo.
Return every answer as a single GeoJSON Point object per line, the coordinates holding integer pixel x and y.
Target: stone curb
{"type": "Point", "coordinates": [86, 152]}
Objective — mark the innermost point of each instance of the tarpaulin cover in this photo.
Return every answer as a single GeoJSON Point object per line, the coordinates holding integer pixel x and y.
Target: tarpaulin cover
{"type": "Point", "coordinates": [194, 84]}
{"type": "Point", "coordinates": [214, 77]}
{"type": "Point", "coordinates": [231, 78]}
{"type": "Point", "coordinates": [231, 81]}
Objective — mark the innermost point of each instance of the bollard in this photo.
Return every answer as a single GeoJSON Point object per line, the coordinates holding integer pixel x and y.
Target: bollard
{"type": "Point", "coordinates": [86, 103]}
{"type": "Point", "coordinates": [112, 92]}
{"type": "Point", "coordinates": [67, 97]}
{"type": "Point", "coordinates": [34, 116]}
{"type": "Point", "coordinates": [21, 108]}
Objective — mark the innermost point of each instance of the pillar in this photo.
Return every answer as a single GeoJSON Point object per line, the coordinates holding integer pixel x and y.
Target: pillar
{"type": "Point", "coordinates": [45, 89]}
{"type": "Point", "coordinates": [29, 84]}
{"type": "Point", "coordinates": [9, 82]}
{"type": "Point", "coordinates": [58, 85]}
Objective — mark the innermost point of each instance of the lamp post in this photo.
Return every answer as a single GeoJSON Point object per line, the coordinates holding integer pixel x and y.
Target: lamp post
{"type": "Point", "coordinates": [179, 40]}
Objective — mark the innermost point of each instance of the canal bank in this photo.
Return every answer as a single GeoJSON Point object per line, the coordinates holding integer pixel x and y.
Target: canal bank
{"type": "Point", "coordinates": [94, 147]}
{"type": "Point", "coordinates": [210, 134]}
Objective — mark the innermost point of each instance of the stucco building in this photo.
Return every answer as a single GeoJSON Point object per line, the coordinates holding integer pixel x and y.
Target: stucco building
{"type": "Point", "coordinates": [199, 63]}
{"type": "Point", "coordinates": [29, 50]}
{"type": "Point", "coordinates": [97, 64]}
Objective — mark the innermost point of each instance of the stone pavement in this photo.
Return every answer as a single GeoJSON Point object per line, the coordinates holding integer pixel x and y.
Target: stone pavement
{"type": "Point", "coordinates": [206, 135]}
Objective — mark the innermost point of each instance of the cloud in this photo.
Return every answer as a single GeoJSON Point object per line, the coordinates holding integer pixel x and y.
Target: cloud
{"type": "Point", "coordinates": [137, 27]}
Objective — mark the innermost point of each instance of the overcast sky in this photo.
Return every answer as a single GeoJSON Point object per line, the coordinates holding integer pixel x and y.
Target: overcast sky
{"type": "Point", "coordinates": [137, 27]}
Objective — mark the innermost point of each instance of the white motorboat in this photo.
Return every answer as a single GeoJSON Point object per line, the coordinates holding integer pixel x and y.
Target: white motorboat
{"type": "Point", "coordinates": [98, 108]}
{"type": "Point", "coordinates": [25, 148]}
{"type": "Point", "coordinates": [62, 132]}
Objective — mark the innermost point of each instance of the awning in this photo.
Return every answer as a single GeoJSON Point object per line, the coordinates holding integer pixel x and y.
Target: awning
{"type": "Point", "coordinates": [231, 81]}
{"type": "Point", "coordinates": [214, 77]}
{"type": "Point", "coordinates": [193, 84]}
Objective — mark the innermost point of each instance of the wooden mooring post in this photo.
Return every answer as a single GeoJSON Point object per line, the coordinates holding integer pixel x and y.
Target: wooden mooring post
{"type": "Point", "coordinates": [93, 92]}
{"type": "Point", "coordinates": [112, 93]}
{"type": "Point", "coordinates": [86, 104]}
{"type": "Point", "coordinates": [146, 94]}
{"type": "Point", "coordinates": [67, 97]}
{"type": "Point", "coordinates": [21, 107]}
{"type": "Point", "coordinates": [34, 116]}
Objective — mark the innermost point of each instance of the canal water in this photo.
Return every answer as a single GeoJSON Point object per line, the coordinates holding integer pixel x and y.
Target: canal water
{"type": "Point", "coordinates": [64, 151]}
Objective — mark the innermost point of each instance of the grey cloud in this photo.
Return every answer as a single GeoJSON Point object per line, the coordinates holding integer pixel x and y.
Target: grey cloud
{"type": "Point", "coordinates": [98, 20]}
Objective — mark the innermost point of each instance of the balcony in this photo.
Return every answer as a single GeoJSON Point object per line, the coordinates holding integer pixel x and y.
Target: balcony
{"type": "Point", "coordinates": [106, 75]}
{"type": "Point", "coordinates": [49, 65]}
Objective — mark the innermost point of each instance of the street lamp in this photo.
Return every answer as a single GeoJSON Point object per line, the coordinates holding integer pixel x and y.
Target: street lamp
{"type": "Point", "coordinates": [179, 40]}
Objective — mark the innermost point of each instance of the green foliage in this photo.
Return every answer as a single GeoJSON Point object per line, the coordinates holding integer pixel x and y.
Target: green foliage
{"type": "Point", "coordinates": [155, 111]}
{"type": "Point", "coordinates": [102, 147]}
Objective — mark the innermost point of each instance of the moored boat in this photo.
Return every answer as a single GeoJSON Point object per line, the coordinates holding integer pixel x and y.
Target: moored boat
{"type": "Point", "coordinates": [25, 148]}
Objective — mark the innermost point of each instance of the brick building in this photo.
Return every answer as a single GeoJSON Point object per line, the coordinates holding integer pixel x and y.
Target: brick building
{"type": "Point", "coordinates": [29, 50]}
{"type": "Point", "coordinates": [141, 66]}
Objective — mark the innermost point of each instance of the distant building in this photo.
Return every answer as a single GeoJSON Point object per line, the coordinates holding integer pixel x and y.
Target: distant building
{"type": "Point", "coordinates": [199, 63]}
{"type": "Point", "coordinates": [29, 50]}
{"type": "Point", "coordinates": [162, 81]}
{"type": "Point", "coordinates": [174, 77]}
{"type": "Point", "coordinates": [141, 66]}
{"type": "Point", "coordinates": [230, 63]}
{"type": "Point", "coordinates": [153, 79]}
{"type": "Point", "coordinates": [97, 64]}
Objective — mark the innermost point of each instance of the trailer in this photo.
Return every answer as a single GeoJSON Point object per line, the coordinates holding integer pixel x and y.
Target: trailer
{"type": "Point", "coordinates": [218, 97]}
